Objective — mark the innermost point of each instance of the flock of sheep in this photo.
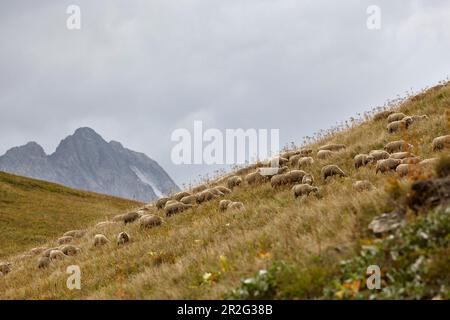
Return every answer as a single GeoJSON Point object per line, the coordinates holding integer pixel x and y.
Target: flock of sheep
{"type": "Point", "coordinates": [396, 155]}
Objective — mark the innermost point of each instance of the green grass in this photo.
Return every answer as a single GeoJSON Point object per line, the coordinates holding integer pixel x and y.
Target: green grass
{"type": "Point", "coordinates": [33, 212]}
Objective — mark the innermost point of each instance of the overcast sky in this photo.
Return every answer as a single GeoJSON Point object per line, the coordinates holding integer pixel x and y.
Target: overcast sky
{"type": "Point", "coordinates": [137, 70]}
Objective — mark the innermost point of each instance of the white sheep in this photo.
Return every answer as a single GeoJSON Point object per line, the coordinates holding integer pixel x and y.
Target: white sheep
{"type": "Point", "coordinates": [396, 117]}
{"type": "Point", "coordinates": [379, 154]}
{"type": "Point", "coordinates": [150, 221]}
{"type": "Point", "coordinates": [324, 154]}
{"type": "Point", "coordinates": [361, 160]}
{"type": "Point", "coordinates": [441, 143]}
{"type": "Point", "coordinates": [398, 146]}
{"type": "Point", "coordinates": [100, 240]}
{"type": "Point", "coordinates": [363, 185]}
{"type": "Point", "coordinates": [303, 190]}
{"type": "Point", "coordinates": [332, 170]}
{"type": "Point", "coordinates": [386, 165]}
{"type": "Point", "coordinates": [234, 181]}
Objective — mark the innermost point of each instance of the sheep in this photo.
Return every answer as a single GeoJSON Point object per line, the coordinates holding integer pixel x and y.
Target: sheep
{"type": "Point", "coordinates": [441, 143]}
{"type": "Point", "coordinates": [65, 239]}
{"type": "Point", "coordinates": [398, 146]}
{"type": "Point", "coordinates": [283, 161]}
{"type": "Point", "coordinates": [396, 126]}
{"type": "Point", "coordinates": [178, 196]}
{"type": "Point", "coordinates": [43, 262]}
{"type": "Point", "coordinates": [255, 178]}
{"type": "Point", "coordinates": [324, 154]}
{"type": "Point", "coordinates": [223, 204]}
{"type": "Point", "coordinates": [362, 160]}
{"type": "Point", "coordinates": [382, 115]}
{"type": "Point", "coordinates": [333, 147]}
{"type": "Point", "coordinates": [150, 221]}
{"type": "Point", "coordinates": [293, 161]}
{"type": "Point", "coordinates": [205, 195]}
{"type": "Point", "coordinates": [199, 188]}
{"type": "Point", "coordinates": [192, 199]}
{"type": "Point", "coordinates": [386, 165]}
{"type": "Point", "coordinates": [400, 155]}
{"type": "Point", "coordinates": [56, 255]}
{"type": "Point", "coordinates": [302, 152]}
{"type": "Point", "coordinates": [396, 117]}
{"type": "Point", "coordinates": [305, 161]}
{"type": "Point", "coordinates": [131, 217]}
{"type": "Point", "coordinates": [38, 250]}
{"type": "Point", "coordinates": [411, 160]}
{"type": "Point", "coordinates": [379, 154]}
{"type": "Point", "coordinates": [303, 190]}
{"type": "Point", "coordinates": [5, 267]}
{"type": "Point", "coordinates": [100, 240]}
{"type": "Point", "coordinates": [295, 176]}
{"type": "Point", "coordinates": [431, 162]}
{"type": "Point", "coordinates": [46, 252]}
{"type": "Point", "coordinates": [105, 224]}
{"type": "Point", "coordinates": [278, 180]}
{"type": "Point", "coordinates": [123, 238]}
{"type": "Point", "coordinates": [234, 181]}
{"type": "Point", "coordinates": [160, 203]}
{"type": "Point", "coordinates": [176, 208]}
{"type": "Point", "coordinates": [332, 170]}
{"type": "Point", "coordinates": [75, 233]}
{"type": "Point", "coordinates": [70, 250]}
{"type": "Point", "coordinates": [363, 185]}
{"type": "Point", "coordinates": [216, 192]}
{"type": "Point", "coordinates": [236, 206]}
{"type": "Point", "coordinates": [405, 169]}
{"type": "Point", "coordinates": [308, 179]}
{"type": "Point", "coordinates": [223, 189]}
{"type": "Point", "coordinates": [170, 202]}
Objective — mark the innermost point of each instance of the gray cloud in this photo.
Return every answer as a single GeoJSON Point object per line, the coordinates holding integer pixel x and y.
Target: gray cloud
{"type": "Point", "coordinates": [139, 69]}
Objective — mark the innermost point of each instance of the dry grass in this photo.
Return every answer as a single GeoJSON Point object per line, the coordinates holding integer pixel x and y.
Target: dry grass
{"type": "Point", "coordinates": [169, 262]}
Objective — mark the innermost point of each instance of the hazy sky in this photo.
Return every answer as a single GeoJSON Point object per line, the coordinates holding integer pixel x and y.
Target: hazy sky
{"type": "Point", "coordinates": [137, 70]}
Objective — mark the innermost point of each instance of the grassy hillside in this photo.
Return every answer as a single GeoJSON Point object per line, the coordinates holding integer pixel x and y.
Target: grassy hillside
{"type": "Point", "coordinates": [205, 253]}
{"type": "Point", "coordinates": [33, 211]}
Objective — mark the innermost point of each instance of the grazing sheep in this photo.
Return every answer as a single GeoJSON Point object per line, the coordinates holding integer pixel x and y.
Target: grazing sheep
{"type": "Point", "coordinates": [178, 196]}
{"type": "Point", "coordinates": [105, 224]}
{"type": "Point", "coordinates": [332, 147]}
{"type": "Point", "coordinates": [5, 267]}
{"type": "Point", "coordinates": [401, 155]}
{"type": "Point", "coordinates": [441, 143]}
{"type": "Point", "coordinates": [405, 169]}
{"type": "Point", "coordinates": [363, 185]}
{"type": "Point", "coordinates": [308, 179]}
{"type": "Point", "coordinates": [216, 192]}
{"type": "Point", "coordinates": [223, 204]}
{"type": "Point", "coordinates": [205, 195]}
{"type": "Point", "coordinates": [176, 208]}
{"type": "Point", "coordinates": [379, 154]}
{"type": "Point", "coordinates": [303, 190]}
{"type": "Point", "coordinates": [43, 262]}
{"type": "Point", "coordinates": [234, 181]}
{"type": "Point", "coordinates": [396, 117]}
{"type": "Point", "coordinates": [255, 178]}
{"type": "Point", "coordinates": [431, 162]}
{"type": "Point", "coordinates": [283, 161]}
{"type": "Point", "coordinates": [75, 233]}
{"type": "Point", "coordinates": [398, 146]}
{"type": "Point", "coordinates": [170, 202]}
{"type": "Point", "coordinates": [382, 115]}
{"type": "Point", "coordinates": [100, 240]}
{"type": "Point", "coordinates": [56, 255]}
{"type": "Point", "coordinates": [46, 252]}
{"type": "Point", "coordinates": [362, 160]}
{"type": "Point", "coordinates": [160, 203]}
{"type": "Point", "coordinates": [123, 238]}
{"type": "Point", "coordinates": [396, 126]}
{"type": "Point", "coordinates": [386, 165]}
{"type": "Point", "coordinates": [305, 161]}
{"type": "Point", "coordinates": [295, 176]}
{"type": "Point", "coordinates": [131, 217]}
{"type": "Point", "coordinates": [192, 199]}
{"type": "Point", "coordinates": [223, 189]}
{"type": "Point", "coordinates": [199, 188]}
{"type": "Point", "coordinates": [150, 221]}
{"type": "Point", "coordinates": [324, 154]}
{"type": "Point", "coordinates": [65, 239]}
{"type": "Point", "coordinates": [70, 250]}
{"type": "Point", "coordinates": [236, 206]}
{"type": "Point", "coordinates": [411, 160]}
{"type": "Point", "coordinates": [294, 160]}
{"type": "Point", "coordinates": [278, 180]}
{"type": "Point", "coordinates": [36, 251]}
{"type": "Point", "coordinates": [332, 170]}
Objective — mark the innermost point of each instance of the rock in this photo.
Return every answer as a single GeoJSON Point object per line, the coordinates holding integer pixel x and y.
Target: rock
{"type": "Point", "coordinates": [388, 222]}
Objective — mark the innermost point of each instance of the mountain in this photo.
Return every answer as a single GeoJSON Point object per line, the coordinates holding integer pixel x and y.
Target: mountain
{"type": "Point", "coordinates": [33, 212]}
{"type": "Point", "coordinates": [86, 161]}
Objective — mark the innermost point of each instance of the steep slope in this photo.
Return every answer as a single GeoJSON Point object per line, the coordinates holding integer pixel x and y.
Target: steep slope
{"type": "Point", "coordinates": [33, 211]}
{"type": "Point", "coordinates": [86, 161]}
{"type": "Point", "coordinates": [204, 253]}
